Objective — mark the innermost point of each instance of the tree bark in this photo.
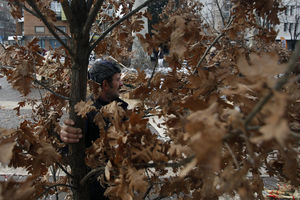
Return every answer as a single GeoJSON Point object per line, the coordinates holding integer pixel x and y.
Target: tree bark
{"type": "Point", "coordinates": [80, 46]}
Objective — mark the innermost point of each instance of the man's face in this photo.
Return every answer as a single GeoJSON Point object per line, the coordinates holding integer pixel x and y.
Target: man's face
{"type": "Point", "coordinates": [114, 87]}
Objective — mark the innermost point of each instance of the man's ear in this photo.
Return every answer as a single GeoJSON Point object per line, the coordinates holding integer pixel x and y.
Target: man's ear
{"type": "Point", "coordinates": [105, 84]}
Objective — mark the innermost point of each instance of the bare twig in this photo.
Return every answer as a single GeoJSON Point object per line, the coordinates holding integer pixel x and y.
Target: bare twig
{"type": "Point", "coordinates": [62, 32]}
{"type": "Point", "coordinates": [108, 30]}
{"type": "Point", "coordinates": [22, 5]}
{"type": "Point", "coordinates": [47, 88]}
{"type": "Point", "coordinates": [213, 43]}
{"type": "Point", "coordinates": [64, 170]}
{"type": "Point", "coordinates": [296, 135]}
{"type": "Point", "coordinates": [280, 83]}
{"type": "Point", "coordinates": [99, 24]}
{"type": "Point", "coordinates": [166, 164]}
{"type": "Point", "coordinates": [232, 155]}
{"type": "Point", "coordinates": [53, 171]}
{"type": "Point", "coordinates": [150, 187]}
{"type": "Point", "coordinates": [220, 11]}
{"type": "Point", "coordinates": [123, 66]}
{"type": "Point", "coordinates": [45, 21]}
{"type": "Point", "coordinates": [92, 16]}
{"type": "Point", "coordinates": [54, 186]}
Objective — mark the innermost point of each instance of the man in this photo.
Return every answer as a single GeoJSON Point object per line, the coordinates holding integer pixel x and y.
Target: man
{"type": "Point", "coordinates": [107, 74]}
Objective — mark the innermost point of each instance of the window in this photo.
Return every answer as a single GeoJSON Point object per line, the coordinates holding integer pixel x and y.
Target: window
{"type": "Point", "coordinates": [55, 6]}
{"type": "Point", "coordinates": [292, 10]}
{"type": "Point", "coordinates": [291, 27]}
{"type": "Point", "coordinates": [39, 29]}
{"type": "Point", "coordinates": [55, 44]}
{"type": "Point", "coordinates": [286, 10]}
{"type": "Point", "coordinates": [285, 27]}
{"type": "Point", "coordinates": [42, 43]}
{"type": "Point", "coordinates": [63, 28]}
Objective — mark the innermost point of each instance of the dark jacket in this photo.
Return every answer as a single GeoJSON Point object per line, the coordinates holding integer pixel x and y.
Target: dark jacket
{"type": "Point", "coordinates": [96, 190]}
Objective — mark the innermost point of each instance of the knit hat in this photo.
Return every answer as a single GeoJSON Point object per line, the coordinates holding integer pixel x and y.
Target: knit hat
{"type": "Point", "coordinates": [103, 70]}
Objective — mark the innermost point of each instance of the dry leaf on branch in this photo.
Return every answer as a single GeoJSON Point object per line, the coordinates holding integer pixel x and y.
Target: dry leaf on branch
{"type": "Point", "coordinates": [83, 108]}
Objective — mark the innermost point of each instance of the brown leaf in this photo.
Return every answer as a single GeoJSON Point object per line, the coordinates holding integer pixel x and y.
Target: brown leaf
{"type": "Point", "coordinates": [276, 126]}
{"type": "Point", "coordinates": [261, 67]}
{"type": "Point", "coordinates": [83, 108]}
{"type": "Point", "coordinates": [6, 152]}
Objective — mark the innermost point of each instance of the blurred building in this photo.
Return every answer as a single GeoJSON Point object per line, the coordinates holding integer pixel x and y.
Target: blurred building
{"type": "Point", "coordinates": [289, 28]}
{"type": "Point", "coordinates": [34, 27]}
{"type": "Point", "coordinates": [7, 22]}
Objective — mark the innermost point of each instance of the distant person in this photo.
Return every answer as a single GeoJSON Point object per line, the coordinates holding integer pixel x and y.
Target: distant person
{"type": "Point", "coordinates": [160, 56]}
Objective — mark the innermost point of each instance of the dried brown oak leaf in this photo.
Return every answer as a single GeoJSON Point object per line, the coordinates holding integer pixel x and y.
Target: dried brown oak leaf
{"type": "Point", "coordinates": [262, 67]}
{"type": "Point", "coordinates": [276, 126]}
{"type": "Point", "coordinates": [6, 152]}
{"type": "Point", "coordinates": [83, 108]}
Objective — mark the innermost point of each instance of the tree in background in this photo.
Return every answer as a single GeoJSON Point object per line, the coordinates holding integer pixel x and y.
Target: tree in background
{"type": "Point", "coordinates": [225, 116]}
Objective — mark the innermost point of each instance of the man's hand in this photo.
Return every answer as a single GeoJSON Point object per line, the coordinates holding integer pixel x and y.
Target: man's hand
{"type": "Point", "coordinates": [69, 134]}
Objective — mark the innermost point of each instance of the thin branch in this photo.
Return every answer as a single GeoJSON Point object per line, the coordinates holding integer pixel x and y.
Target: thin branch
{"type": "Point", "coordinates": [123, 66]}
{"type": "Point", "coordinates": [45, 21]}
{"type": "Point", "coordinates": [150, 187]}
{"type": "Point", "coordinates": [47, 88]}
{"type": "Point", "coordinates": [64, 170]}
{"type": "Point", "coordinates": [90, 174]}
{"type": "Point", "coordinates": [220, 11]}
{"type": "Point", "coordinates": [280, 83]}
{"type": "Point", "coordinates": [103, 35]}
{"type": "Point", "coordinates": [92, 16]}
{"type": "Point", "coordinates": [153, 72]}
{"type": "Point", "coordinates": [296, 135]}
{"type": "Point", "coordinates": [232, 155]}
{"type": "Point", "coordinates": [22, 5]}
{"type": "Point", "coordinates": [53, 171]}
{"type": "Point", "coordinates": [166, 164]}
{"type": "Point", "coordinates": [146, 165]}
{"type": "Point", "coordinates": [53, 186]}
{"type": "Point", "coordinates": [62, 32]}
{"type": "Point", "coordinates": [99, 24]}
{"type": "Point", "coordinates": [213, 43]}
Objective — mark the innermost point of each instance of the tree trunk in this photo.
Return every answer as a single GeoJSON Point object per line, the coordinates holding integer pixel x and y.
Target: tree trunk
{"type": "Point", "coordinates": [78, 93]}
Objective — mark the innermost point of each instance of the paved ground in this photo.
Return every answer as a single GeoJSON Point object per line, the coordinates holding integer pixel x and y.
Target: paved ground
{"type": "Point", "coordinates": [9, 99]}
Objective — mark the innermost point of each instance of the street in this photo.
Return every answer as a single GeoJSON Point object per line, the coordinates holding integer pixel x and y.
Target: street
{"type": "Point", "coordinates": [9, 99]}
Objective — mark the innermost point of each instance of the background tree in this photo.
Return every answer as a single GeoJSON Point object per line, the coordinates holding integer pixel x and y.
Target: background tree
{"type": "Point", "coordinates": [224, 116]}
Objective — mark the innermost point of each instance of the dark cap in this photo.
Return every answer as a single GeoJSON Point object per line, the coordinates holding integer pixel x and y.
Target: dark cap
{"type": "Point", "coordinates": [103, 70]}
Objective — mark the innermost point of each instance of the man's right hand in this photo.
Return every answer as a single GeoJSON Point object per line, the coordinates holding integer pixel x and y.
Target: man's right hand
{"type": "Point", "coordinates": [68, 133]}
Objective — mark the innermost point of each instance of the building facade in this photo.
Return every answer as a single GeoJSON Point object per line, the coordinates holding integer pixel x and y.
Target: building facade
{"type": "Point", "coordinates": [7, 22]}
{"type": "Point", "coordinates": [34, 27]}
{"type": "Point", "coordinates": [289, 28]}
